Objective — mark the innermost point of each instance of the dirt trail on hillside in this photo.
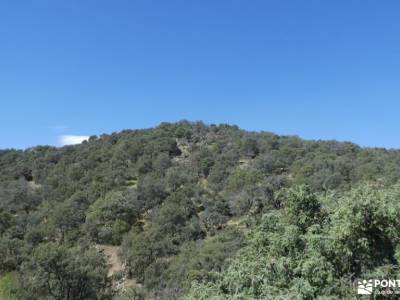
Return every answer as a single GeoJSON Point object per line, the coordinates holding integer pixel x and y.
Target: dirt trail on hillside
{"type": "Point", "coordinates": [113, 260]}
{"type": "Point", "coordinates": [115, 266]}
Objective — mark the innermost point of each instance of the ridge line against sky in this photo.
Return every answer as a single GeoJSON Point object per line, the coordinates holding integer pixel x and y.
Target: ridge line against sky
{"type": "Point", "coordinates": [317, 69]}
{"type": "Point", "coordinates": [72, 139]}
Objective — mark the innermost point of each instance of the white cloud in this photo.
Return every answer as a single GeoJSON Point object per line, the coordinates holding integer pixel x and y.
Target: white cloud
{"type": "Point", "coordinates": [72, 139]}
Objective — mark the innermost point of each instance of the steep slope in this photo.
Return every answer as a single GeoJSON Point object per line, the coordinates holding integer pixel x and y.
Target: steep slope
{"type": "Point", "coordinates": [178, 200]}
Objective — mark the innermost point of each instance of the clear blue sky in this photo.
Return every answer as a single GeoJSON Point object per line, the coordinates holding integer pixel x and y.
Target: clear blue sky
{"type": "Point", "coordinates": [318, 69]}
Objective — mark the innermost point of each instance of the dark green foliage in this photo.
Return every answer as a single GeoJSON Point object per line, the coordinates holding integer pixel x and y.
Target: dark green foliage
{"type": "Point", "coordinates": [203, 160]}
{"type": "Point", "coordinates": [315, 254]}
{"type": "Point", "coordinates": [6, 220]}
{"type": "Point", "coordinates": [11, 253]}
{"type": "Point", "coordinates": [69, 215]}
{"type": "Point", "coordinates": [249, 147]}
{"type": "Point", "coordinates": [111, 216]}
{"type": "Point", "coordinates": [168, 227]}
{"type": "Point", "coordinates": [142, 249]}
{"type": "Point", "coordinates": [302, 208]}
{"type": "Point", "coordinates": [173, 198]}
{"type": "Point", "coordinates": [18, 195]}
{"type": "Point", "coordinates": [198, 260]}
{"type": "Point", "coordinates": [58, 272]}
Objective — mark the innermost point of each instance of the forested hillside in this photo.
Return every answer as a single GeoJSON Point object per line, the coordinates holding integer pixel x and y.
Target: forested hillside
{"type": "Point", "coordinates": [197, 211]}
